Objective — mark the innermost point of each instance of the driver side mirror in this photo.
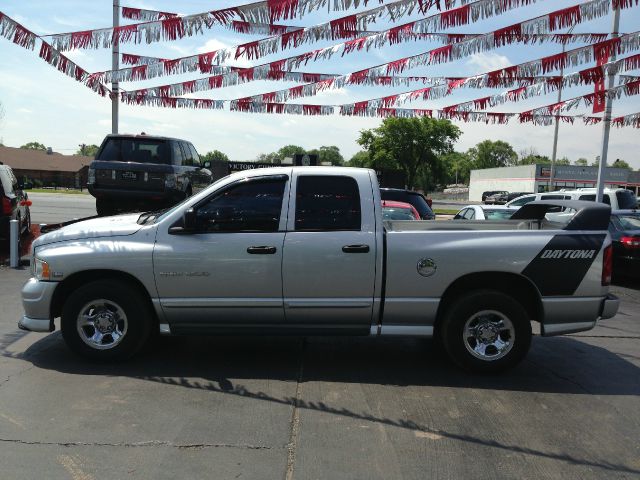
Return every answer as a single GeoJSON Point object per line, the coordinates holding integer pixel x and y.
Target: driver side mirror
{"type": "Point", "coordinates": [188, 224]}
{"type": "Point", "coordinates": [206, 165]}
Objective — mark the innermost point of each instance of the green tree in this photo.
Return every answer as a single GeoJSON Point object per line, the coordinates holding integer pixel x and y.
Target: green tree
{"type": "Point", "coordinates": [215, 156]}
{"type": "Point", "coordinates": [268, 158]}
{"type": "Point", "coordinates": [34, 146]}
{"type": "Point", "coordinates": [489, 154]}
{"type": "Point", "coordinates": [328, 154]}
{"type": "Point", "coordinates": [360, 159]}
{"type": "Point", "coordinates": [413, 145]}
{"type": "Point", "coordinates": [88, 150]}
{"type": "Point", "coordinates": [290, 151]}
{"type": "Point", "coordinates": [458, 167]}
{"type": "Point", "coordinates": [582, 162]}
{"type": "Point", "coordinates": [619, 163]}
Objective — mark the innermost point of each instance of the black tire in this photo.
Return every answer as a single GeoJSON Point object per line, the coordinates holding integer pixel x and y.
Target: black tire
{"type": "Point", "coordinates": [489, 313]}
{"type": "Point", "coordinates": [116, 304]}
{"type": "Point", "coordinates": [105, 208]}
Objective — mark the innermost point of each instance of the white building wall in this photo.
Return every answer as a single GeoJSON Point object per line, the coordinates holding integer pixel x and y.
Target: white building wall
{"type": "Point", "coordinates": [510, 179]}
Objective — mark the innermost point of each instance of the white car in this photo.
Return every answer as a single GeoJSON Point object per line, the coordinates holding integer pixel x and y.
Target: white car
{"type": "Point", "coordinates": [484, 212]}
{"type": "Point", "coordinates": [618, 198]}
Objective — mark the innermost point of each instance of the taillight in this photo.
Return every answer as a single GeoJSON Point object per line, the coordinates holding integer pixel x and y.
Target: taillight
{"type": "Point", "coordinates": [630, 242]}
{"type": "Point", "coordinates": [607, 266]}
{"type": "Point", "coordinates": [7, 207]}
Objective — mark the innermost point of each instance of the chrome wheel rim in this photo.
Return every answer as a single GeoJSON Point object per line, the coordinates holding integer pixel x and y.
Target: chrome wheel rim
{"type": "Point", "coordinates": [102, 324]}
{"type": "Point", "coordinates": [488, 335]}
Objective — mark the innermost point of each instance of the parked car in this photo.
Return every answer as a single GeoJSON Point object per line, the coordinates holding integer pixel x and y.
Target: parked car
{"type": "Point", "coordinates": [624, 228]}
{"type": "Point", "coordinates": [399, 211]}
{"type": "Point", "coordinates": [484, 212]}
{"type": "Point", "coordinates": [619, 198]}
{"type": "Point", "coordinates": [490, 193]}
{"type": "Point", "coordinates": [144, 172]}
{"type": "Point", "coordinates": [304, 251]}
{"type": "Point", "coordinates": [408, 196]}
{"type": "Point", "coordinates": [15, 203]}
{"type": "Point", "coordinates": [503, 199]}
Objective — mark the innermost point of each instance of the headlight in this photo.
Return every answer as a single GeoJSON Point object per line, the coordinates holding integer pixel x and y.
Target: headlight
{"type": "Point", "coordinates": [91, 175]}
{"type": "Point", "coordinates": [40, 269]}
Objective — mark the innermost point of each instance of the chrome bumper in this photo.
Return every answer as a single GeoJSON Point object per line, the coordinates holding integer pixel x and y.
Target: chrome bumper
{"type": "Point", "coordinates": [35, 324]}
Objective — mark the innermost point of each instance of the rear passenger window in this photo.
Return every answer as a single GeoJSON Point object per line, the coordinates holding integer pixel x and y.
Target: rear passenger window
{"type": "Point", "coordinates": [327, 203]}
{"type": "Point", "coordinates": [178, 156]}
{"type": "Point", "coordinates": [194, 155]}
{"type": "Point", "coordinates": [188, 156]}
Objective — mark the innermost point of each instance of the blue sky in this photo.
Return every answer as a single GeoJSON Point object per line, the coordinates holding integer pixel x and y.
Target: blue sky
{"type": "Point", "coordinates": [43, 105]}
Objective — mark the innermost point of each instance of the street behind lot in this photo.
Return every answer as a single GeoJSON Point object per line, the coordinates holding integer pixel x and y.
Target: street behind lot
{"type": "Point", "coordinates": [261, 407]}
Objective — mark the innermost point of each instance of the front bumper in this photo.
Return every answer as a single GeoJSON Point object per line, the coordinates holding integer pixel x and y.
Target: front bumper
{"type": "Point", "coordinates": [37, 297]}
{"type": "Point", "coordinates": [35, 324]}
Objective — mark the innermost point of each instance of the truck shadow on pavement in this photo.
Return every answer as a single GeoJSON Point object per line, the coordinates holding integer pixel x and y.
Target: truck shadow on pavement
{"type": "Point", "coordinates": [218, 365]}
{"type": "Point", "coordinates": [553, 365]}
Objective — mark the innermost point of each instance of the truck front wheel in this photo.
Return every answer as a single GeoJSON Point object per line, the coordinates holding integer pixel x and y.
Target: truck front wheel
{"type": "Point", "coordinates": [106, 320]}
{"type": "Point", "coordinates": [486, 331]}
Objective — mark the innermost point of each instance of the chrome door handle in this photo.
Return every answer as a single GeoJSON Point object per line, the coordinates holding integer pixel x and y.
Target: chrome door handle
{"type": "Point", "coordinates": [355, 249]}
{"type": "Point", "coordinates": [262, 250]}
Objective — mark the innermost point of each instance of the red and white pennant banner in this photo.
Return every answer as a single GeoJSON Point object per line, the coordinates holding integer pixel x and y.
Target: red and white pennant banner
{"type": "Point", "coordinates": [174, 28]}
{"type": "Point", "coordinates": [141, 14]}
{"type": "Point", "coordinates": [12, 30]}
{"type": "Point", "coordinates": [448, 53]}
{"type": "Point", "coordinates": [16, 33]}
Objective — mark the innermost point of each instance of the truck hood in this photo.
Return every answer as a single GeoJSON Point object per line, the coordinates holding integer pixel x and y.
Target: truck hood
{"type": "Point", "coordinates": [118, 226]}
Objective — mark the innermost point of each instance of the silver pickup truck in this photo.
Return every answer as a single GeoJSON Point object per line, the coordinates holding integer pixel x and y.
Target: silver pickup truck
{"type": "Point", "coordinates": [305, 251]}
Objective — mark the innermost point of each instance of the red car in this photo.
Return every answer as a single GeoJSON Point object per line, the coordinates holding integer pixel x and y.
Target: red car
{"type": "Point", "coordinates": [392, 210]}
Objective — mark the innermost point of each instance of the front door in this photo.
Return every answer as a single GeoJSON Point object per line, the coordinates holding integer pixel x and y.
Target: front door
{"type": "Point", "coordinates": [227, 273]}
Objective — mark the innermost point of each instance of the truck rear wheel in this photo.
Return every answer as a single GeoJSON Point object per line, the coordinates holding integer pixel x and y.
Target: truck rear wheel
{"type": "Point", "coordinates": [106, 320]}
{"type": "Point", "coordinates": [486, 331]}
{"type": "Point", "coordinates": [105, 208]}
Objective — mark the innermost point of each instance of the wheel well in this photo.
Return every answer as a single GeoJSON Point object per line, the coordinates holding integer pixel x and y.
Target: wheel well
{"type": "Point", "coordinates": [510, 284]}
{"type": "Point", "coordinates": [76, 280]}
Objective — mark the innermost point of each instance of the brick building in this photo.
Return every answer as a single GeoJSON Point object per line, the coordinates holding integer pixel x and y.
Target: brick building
{"type": "Point", "coordinates": [45, 169]}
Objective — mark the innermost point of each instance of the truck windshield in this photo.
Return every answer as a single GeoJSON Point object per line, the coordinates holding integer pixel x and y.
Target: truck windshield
{"type": "Point", "coordinates": [139, 150]}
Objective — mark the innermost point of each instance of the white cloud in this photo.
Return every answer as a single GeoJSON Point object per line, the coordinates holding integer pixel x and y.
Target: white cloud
{"type": "Point", "coordinates": [486, 62]}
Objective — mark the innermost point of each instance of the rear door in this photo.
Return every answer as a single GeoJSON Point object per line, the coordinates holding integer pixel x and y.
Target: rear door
{"type": "Point", "coordinates": [329, 264]}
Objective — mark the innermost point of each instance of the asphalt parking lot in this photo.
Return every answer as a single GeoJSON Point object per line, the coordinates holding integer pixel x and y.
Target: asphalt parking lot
{"type": "Point", "coordinates": [317, 408]}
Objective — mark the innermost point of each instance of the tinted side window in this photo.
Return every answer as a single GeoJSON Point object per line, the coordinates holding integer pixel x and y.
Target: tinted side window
{"type": "Point", "coordinates": [592, 198]}
{"type": "Point", "coordinates": [251, 206]}
{"type": "Point", "coordinates": [470, 214]}
{"type": "Point", "coordinates": [188, 156]}
{"type": "Point", "coordinates": [194, 155]}
{"type": "Point", "coordinates": [327, 203]}
{"type": "Point", "coordinates": [626, 200]}
{"type": "Point", "coordinates": [178, 157]}
{"type": "Point", "coordinates": [523, 201]}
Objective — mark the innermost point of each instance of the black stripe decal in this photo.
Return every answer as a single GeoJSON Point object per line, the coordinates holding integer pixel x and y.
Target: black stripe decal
{"type": "Point", "coordinates": [561, 265]}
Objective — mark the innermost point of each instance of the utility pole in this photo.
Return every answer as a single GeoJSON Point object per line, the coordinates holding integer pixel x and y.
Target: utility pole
{"type": "Point", "coordinates": [115, 66]}
{"type": "Point", "coordinates": [606, 120]}
{"type": "Point", "coordinates": [557, 128]}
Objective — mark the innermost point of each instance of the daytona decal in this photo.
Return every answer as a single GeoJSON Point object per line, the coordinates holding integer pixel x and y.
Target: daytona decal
{"type": "Point", "coordinates": [560, 267]}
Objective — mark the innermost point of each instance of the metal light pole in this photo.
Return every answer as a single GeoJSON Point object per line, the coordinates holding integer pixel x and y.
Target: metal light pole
{"type": "Point", "coordinates": [606, 120]}
{"type": "Point", "coordinates": [115, 66]}
{"type": "Point", "coordinates": [557, 128]}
